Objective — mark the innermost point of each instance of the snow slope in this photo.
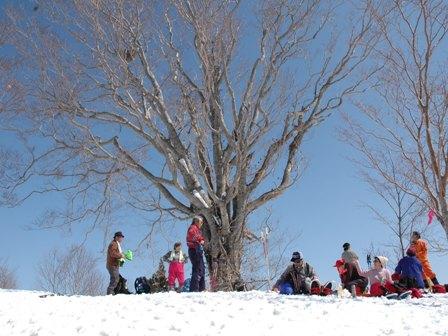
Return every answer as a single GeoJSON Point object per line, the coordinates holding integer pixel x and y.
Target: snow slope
{"type": "Point", "coordinates": [250, 313]}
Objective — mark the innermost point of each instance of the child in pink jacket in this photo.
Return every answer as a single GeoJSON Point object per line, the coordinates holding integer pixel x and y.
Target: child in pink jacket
{"type": "Point", "coordinates": [176, 258]}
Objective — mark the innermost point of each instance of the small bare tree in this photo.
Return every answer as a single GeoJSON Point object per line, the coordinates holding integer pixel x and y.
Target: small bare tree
{"type": "Point", "coordinates": [161, 106]}
{"type": "Point", "coordinates": [400, 212]}
{"type": "Point", "coordinates": [267, 253]}
{"type": "Point", "coordinates": [403, 134]}
{"type": "Point", "coordinates": [73, 272]}
{"type": "Point", "coordinates": [8, 278]}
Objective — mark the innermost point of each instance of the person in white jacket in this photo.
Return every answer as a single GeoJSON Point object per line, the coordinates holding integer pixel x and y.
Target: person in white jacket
{"type": "Point", "coordinates": [176, 258]}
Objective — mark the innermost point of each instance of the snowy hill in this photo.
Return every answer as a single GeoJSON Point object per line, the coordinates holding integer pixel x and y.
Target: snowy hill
{"type": "Point", "coordinates": [250, 313]}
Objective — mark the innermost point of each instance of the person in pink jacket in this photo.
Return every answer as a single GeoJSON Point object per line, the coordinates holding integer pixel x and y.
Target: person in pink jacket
{"type": "Point", "coordinates": [378, 275]}
{"type": "Point", "coordinates": [176, 258]}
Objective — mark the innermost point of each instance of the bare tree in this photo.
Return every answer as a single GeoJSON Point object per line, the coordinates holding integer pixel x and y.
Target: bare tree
{"type": "Point", "coordinates": [407, 125]}
{"type": "Point", "coordinates": [400, 212]}
{"type": "Point", "coordinates": [8, 278]}
{"type": "Point", "coordinates": [266, 254]}
{"type": "Point", "coordinates": [73, 272]}
{"type": "Point", "coordinates": [181, 107]}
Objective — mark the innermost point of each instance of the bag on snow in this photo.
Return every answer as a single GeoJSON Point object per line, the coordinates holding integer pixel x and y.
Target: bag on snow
{"type": "Point", "coordinates": [416, 294]}
{"type": "Point", "coordinates": [439, 289]}
{"type": "Point", "coordinates": [186, 287]}
{"type": "Point", "coordinates": [142, 286]}
{"type": "Point", "coordinates": [122, 287]}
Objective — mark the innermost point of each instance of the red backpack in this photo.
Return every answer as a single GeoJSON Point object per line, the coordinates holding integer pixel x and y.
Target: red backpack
{"type": "Point", "coordinates": [439, 289]}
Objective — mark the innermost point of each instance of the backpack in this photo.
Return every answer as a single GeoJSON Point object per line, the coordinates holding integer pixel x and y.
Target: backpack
{"type": "Point", "coordinates": [142, 286]}
{"type": "Point", "coordinates": [440, 289]}
{"type": "Point", "coordinates": [121, 287]}
{"type": "Point", "coordinates": [186, 287]}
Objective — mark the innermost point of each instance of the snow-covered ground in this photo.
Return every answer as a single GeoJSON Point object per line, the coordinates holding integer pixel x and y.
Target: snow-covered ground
{"type": "Point", "coordinates": [250, 313]}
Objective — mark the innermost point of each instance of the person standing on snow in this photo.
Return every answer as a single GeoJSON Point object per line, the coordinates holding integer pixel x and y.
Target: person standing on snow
{"type": "Point", "coordinates": [421, 252]}
{"type": "Point", "coordinates": [298, 278]}
{"type": "Point", "coordinates": [114, 257]}
{"type": "Point", "coordinates": [195, 243]}
{"type": "Point", "coordinates": [176, 259]}
{"type": "Point", "coordinates": [348, 255]}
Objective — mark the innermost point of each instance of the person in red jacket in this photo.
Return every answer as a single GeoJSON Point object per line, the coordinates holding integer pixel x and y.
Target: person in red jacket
{"type": "Point", "coordinates": [195, 243]}
{"type": "Point", "coordinates": [350, 277]}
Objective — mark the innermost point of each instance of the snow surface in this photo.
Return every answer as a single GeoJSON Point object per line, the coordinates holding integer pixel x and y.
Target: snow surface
{"type": "Point", "coordinates": [249, 313]}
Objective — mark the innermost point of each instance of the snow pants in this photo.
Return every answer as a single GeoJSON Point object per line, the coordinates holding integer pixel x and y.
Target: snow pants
{"type": "Point", "coordinates": [176, 271]}
{"type": "Point", "coordinates": [196, 255]}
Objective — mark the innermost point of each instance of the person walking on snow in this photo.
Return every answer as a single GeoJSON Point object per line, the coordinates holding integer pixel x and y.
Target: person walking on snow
{"type": "Point", "coordinates": [421, 252]}
{"type": "Point", "coordinates": [298, 278]}
{"type": "Point", "coordinates": [114, 257]}
{"type": "Point", "coordinates": [348, 254]}
{"type": "Point", "coordinates": [176, 259]}
{"type": "Point", "coordinates": [195, 243]}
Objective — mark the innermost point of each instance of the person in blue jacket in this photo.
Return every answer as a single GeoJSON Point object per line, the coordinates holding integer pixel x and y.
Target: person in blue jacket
{"type": "Point", "coordinates": [410, 270]}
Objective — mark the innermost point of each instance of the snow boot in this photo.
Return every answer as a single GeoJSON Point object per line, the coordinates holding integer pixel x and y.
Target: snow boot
{"type": "Point", "coordinates": [405, 295]}
{"type": "Point", "coordinates": [392, 296]}
{"type": "Point", "coordinates": [326, 289]}
{"type": "Point", "coordinates": [315, 288]}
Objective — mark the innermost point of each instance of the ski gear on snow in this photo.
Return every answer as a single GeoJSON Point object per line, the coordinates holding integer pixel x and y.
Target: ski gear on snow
{"type": "Point", "coordinates": [141, 285]}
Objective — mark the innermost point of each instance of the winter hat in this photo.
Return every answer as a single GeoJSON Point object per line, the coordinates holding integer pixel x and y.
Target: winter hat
{"type": "Point", "coordinates": [383, 260]}
{"type": "Point", "coordinates": [118, 234]}
{"type": "Point", "coordinates": [339, 263]}
{"type": "Point", "coordinates": [296, 256]}
{"type": "Point", "coordinates": [346, 246]}
{"type": "Point", "coordinates": [410, 252]}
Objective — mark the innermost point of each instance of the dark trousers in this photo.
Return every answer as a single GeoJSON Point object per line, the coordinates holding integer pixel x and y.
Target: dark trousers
{"type": "Point", "coordinates": [361, 283]}
{"type": "Point", "coordinates": [114, 272]}
{"type": "Point", "coordinates": [197, 283]}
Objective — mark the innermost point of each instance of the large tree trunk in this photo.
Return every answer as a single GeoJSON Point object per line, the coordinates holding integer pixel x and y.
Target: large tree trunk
{"type": "Point", "coordinates": [223, 253]}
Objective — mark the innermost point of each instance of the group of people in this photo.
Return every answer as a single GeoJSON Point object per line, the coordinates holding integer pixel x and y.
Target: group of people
{"type": "Point", "coordinates": [176, 259]}
{"type": "Point", "coordinates": [413, 271]}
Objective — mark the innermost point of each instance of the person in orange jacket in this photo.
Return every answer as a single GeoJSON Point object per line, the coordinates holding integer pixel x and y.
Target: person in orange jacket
{"type": "Point", "coordinates": [421, 252]}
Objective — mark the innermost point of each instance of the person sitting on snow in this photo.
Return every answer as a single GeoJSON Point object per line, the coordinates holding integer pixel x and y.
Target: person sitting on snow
{"type": "Point", "coordinates": [176, 258]}
{"type": "Point", "coordinates": [409, 271]}
{"type": "Point", "coordinates": [378, 276]}
{"type": "Point", "coordinates": [298, 278]}
{"type": "Point", "coordinates": [348, 255]}
{"type": "Point", "coordinates": [421, 251]}
{"type": "Point", "coordinates": [350, 277]}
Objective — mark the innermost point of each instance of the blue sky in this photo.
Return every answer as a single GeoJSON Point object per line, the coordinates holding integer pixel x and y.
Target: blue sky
{"type": "Point", "coordinates": [324, 207]}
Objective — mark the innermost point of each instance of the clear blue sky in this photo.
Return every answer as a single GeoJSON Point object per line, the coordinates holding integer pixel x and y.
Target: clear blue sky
{"type": "Point", "coordinates": [324, 206]}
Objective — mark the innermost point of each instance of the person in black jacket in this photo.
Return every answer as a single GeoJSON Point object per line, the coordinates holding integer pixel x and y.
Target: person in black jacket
{"type": "Point", "coordinates": [297, 278]}
{"type": "Point", "coordinates": [350, 277]}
